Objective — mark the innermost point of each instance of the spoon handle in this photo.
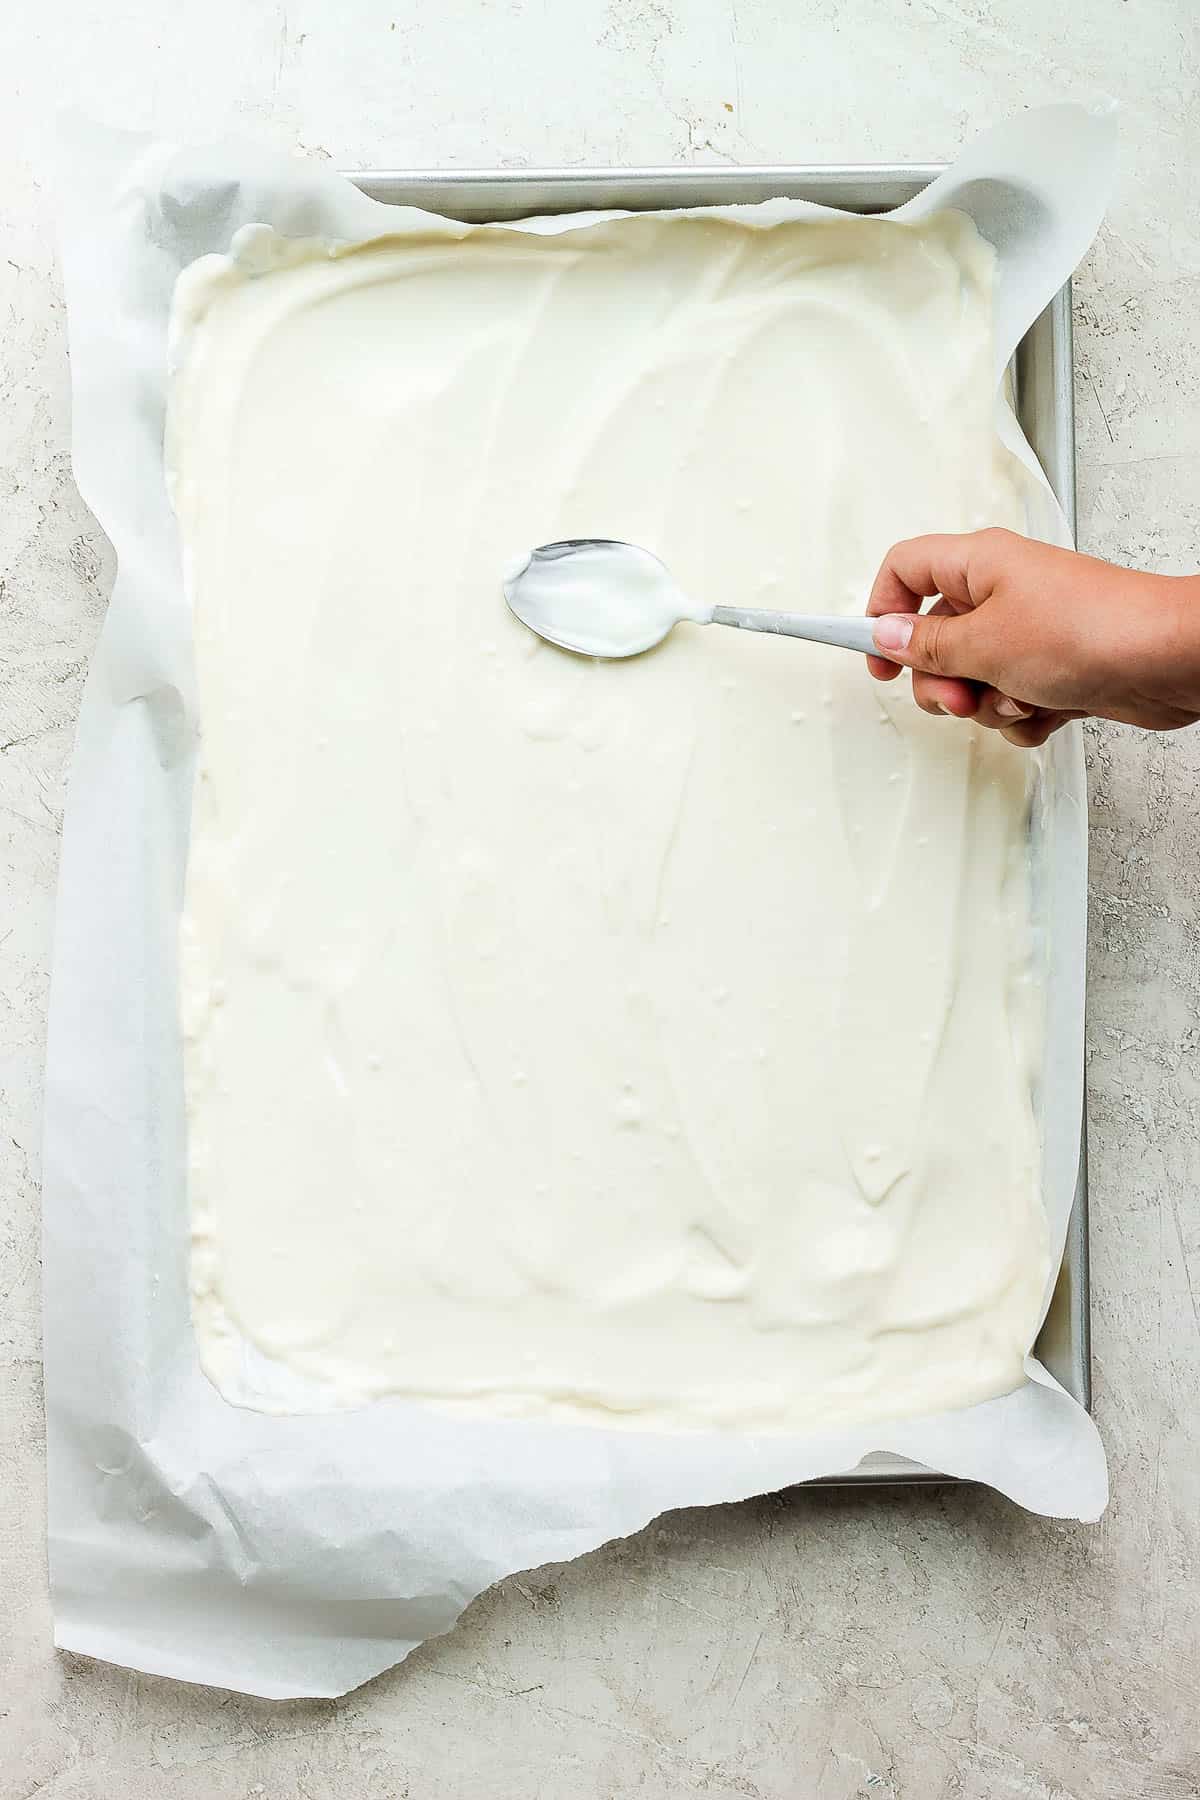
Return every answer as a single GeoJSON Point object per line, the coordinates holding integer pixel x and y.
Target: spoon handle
{"type": "Point", "coordinates": [818, 628]}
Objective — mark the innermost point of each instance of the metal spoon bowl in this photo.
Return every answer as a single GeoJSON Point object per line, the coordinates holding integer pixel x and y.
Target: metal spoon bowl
{"type": "Point", "coordinates": [602, 597]}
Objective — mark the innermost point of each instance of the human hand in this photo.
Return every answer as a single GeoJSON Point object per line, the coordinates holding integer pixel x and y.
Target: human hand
{"type": "Point", "coordinates": [1025, 636]}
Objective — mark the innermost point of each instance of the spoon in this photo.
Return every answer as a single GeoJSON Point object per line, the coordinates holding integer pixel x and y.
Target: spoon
{"type": "Point", "coordinates": [600, 597]}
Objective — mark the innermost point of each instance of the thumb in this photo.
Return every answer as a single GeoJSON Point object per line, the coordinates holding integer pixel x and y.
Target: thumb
{"type": "Point", "coordinates": [936, 643]}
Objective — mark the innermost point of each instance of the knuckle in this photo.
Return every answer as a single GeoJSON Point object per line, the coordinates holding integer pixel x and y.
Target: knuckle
{"type": "Point", "coordinates": [1027, 735]}
{"type": "Point", "coordinates": [908, 549]}
{"type": "Point", "coordinates": [988, 553]}
{"type": "Point", "coordinates": [995, 535]}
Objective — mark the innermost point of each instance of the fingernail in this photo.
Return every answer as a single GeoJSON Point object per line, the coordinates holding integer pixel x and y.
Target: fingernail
{"type": "Point", "coordinates": [1011, 709]}
{"type": "Point", "coordinates": [893, 632]}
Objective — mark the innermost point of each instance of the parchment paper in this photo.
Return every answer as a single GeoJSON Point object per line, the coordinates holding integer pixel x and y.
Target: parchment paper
{"type": "Point", "coordinates": [302, 1555]}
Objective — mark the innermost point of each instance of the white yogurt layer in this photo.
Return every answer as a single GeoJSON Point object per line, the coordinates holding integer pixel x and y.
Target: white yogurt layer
{"type": "Point", "coordinates": [646, 1042]}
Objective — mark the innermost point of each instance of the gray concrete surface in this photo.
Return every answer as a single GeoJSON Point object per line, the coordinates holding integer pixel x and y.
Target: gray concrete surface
{"type": "Point", "coordinates": [822, 1646]}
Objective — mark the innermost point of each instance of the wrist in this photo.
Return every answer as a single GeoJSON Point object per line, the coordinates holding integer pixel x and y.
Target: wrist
{"type": "Point", "coordinates": [1173, 606]}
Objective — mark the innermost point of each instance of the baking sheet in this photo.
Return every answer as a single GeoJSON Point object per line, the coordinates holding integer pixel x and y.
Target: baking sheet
{"type": "Point", "coordinates": [302, 1555]}
{"type": "Point", "coordinates": [1042, 374]}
